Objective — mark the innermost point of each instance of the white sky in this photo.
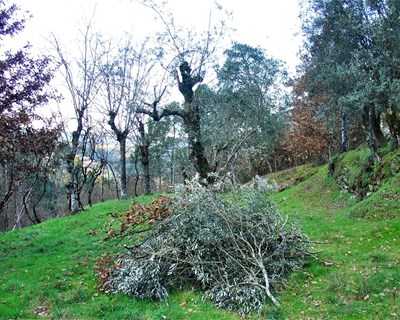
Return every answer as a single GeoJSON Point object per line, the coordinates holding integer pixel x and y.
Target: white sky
{"type": "Point", "coordinates": [270, 24]}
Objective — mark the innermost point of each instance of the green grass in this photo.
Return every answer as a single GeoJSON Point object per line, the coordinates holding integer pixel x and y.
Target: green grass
{"type": "Point", "coordinates": [46, 271]}
{"type": "Point", "coordinates": [290, 177]}
{"type": "Point", "coordinates": [358, 276]}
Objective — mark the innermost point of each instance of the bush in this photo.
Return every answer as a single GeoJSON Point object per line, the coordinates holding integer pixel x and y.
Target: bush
{"type": "Point", "coordinates": [236, 247]}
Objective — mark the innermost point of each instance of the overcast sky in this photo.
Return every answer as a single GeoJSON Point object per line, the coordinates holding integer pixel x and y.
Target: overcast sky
{"type": "Point", "coordinates": [270, 24]}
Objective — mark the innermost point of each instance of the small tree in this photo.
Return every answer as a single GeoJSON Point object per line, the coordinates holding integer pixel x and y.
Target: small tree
{"type": "Point", "coordinates": [307, 137]}
{"type": "Point", "coordinates": [82, 77]}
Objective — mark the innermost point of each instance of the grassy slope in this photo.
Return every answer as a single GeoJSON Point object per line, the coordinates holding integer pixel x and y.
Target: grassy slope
{"type": "Point", "coordinates": [359, 275]}
{"type": "Point", "coordinates": [47, 270]}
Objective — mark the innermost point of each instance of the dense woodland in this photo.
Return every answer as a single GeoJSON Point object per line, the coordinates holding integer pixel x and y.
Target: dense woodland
{"type": "Point", "coordinates": [149, 114]}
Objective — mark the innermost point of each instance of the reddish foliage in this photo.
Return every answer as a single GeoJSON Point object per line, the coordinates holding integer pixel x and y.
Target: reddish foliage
{"type": "Point", "coordinates": [28, 142]}
{"type": "Point", "coordinates": [133, 221]}
{"type": "Point", "coordinates": [139, 217]}
{"type": "Point", "coordinates": [103, 269]}
{"type": "Point", "coordinates": [308, 137]}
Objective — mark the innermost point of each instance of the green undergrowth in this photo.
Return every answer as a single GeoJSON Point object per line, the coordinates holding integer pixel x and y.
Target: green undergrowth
{"type": "Point", "coordinates": [353, 172]}
{"type": "Point", "coordinates": [358, 272]}
{"type": "Point", "coordinates": [46, 271]}
{"type": "Point", "coordinates": [384, 202]}
{"type": "Point", "coordinates": [376, 187]}
{"type": "Point", "coordinates": [290, 177]}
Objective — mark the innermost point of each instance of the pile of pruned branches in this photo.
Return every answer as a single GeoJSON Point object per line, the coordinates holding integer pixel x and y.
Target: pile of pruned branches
{"type": "Point", "coordinates": [236, 247]}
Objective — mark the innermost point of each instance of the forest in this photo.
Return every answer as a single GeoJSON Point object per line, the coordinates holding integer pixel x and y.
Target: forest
{"type": "Point", "coordinates": [226, 129]}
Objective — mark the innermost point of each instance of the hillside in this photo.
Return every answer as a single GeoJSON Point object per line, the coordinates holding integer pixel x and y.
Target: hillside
{"type": "Point", "coordinates": [358, 276]}
{"type": "Point", "coordinates": [47, 270]}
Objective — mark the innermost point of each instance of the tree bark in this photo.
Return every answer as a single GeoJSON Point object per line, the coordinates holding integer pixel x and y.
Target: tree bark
{"type": "Point", "coordinates": [331, 163]}
{"type": "Point", "coordinates": [196, 147]}
{"type": "Point", "coordinates": [96, 173]}
{"type": "Point", "coordinates": [72, 185]}
{"type": "Point", "coordinates": [172, 160]}
{"type": "Point", "coordinates": [344, 133]}
{"type": "Point", "coordinates": [121, 138]}
{"type": "Point", "coordinates": [393, 122]}
{"type": "Point", "coordinates": [144, 148]}
{"type": "Point", "coordinates": [135, 165]}
{"type": "Point", "coordinates": [122, 164]}
{"type": "Point", "coordinates": [145, 160]}
{"type": "Point", "coordinates": [192, 120]}
{"type": "Point", "coordinates": [367, 115]}
{"type": "Point", "coordinates": [376, 128]}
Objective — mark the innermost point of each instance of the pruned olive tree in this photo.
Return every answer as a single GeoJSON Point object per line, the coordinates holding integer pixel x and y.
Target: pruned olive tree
{"type": "Point", "coordinates": [243, 116]}
{"type": "Point", "coordinates": [186, 58]}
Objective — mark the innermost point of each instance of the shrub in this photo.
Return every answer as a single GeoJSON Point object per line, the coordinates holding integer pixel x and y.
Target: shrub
{"type": "Point", "coordinates": [236, 247]}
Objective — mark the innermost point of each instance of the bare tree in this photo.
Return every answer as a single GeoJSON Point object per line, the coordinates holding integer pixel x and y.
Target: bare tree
{"type": "Point", "coordinates": [96, 161]}
{"type": "Point", "coordinates": [126, 78]}
{"type": "Point", "coordinates": [82, 76]}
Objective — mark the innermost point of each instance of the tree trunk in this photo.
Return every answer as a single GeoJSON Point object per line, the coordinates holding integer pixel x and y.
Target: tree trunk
{"type": "Point", "coordinates": [72, 185]}
{"type": "Point", "coordinates": [185, 176]}
{"type": "Point", "coordinates": [344, 133]}
{"type": "Point", "coordinates": [331, 163]}
{"type": "Point", "coordinates": [144, 148]}
{"type": "Point", "coordinates": [369, 131]}
{"type": "Point", "coordinates": [145, 160]}
{"type": "Point", "coordinates": [196, 147]}
{"type": "Point", "coordinates": [115, 180]}
{"type": "Point", "coordinates": [94, 175]}
{"type": "Point", "coordinates": [122, 164]}
{"type": "Point", "coordinates": [192, 121]}
{"type": "Point", "coordinates": [72, 188]}
{"type": "Point", "coordinates": [135, 165]}
{"type": "Point", "coordinates": [74, 201]}
{"type": "Point", "coordinates": [376, 128]}
{"type": "Point", "coordinates": [172, 160]}
{"type": "Point", "coordinates": [393, 122]}
{"type": "Point", "coordinates": [102, 190]}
